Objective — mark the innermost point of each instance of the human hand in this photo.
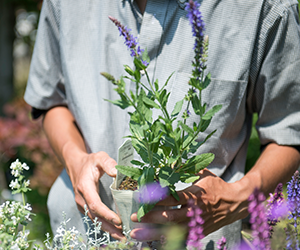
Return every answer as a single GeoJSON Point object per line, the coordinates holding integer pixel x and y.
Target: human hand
{"type": "Point", "coordinates": [221, 203]}
{"type": "Point", "coordinates": [85, 179]}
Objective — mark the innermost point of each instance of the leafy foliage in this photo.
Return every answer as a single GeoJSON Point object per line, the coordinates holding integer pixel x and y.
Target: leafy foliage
{"type": "Point", "coordinates": [166, 144]}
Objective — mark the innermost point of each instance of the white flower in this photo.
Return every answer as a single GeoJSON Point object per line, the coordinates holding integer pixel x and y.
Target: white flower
{"type": "Point", "coordinates": [14, 219]}
{"type": "Point", "coordinates": [27, 183]}
{"type": "Point", "coordinates": [17, 168]}
{"type": "Point", "coordinates": [28, 207]}
{"type": "Point", "coordinates": [15, 247]}
{"type": "Point", "coordinates": [15, 173]}
{"type": "Point", "coordinates": [24, 166]}
{"type": "Point", "coordinates": [27, 217]}
{"type": "Point", "coordinates": [14, 184]}
{"type": "Point", "coordinates": [14, 164]}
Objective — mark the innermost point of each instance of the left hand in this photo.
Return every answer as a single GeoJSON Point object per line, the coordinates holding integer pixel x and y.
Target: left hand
{"type": "Point", "coordinates": [221, 203]}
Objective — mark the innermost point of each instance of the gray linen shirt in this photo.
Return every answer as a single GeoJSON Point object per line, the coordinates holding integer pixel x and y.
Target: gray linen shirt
{"type": "Point", "coordinates": [254, 60]}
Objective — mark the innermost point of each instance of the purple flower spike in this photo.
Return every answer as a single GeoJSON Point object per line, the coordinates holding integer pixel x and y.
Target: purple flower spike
{"type": "Point", "coordinates": [242, 246]}
{"type": "Point", "coordinates": [293, 199]}
{"type": "Point", "coordinates": [152, 193]}
{"type": "Point", "coordinates": [221, 244]}
{"type": "Point", "coordinates": [195, 226]}
{"type": "Point", "coordinates": [129, 40]}
{"type": "Point", "coordinates": [276, 208]}
{"type": "Point", "coordinates": [258, 219]}
{"type": "Point", "coordinates": [195, 19]}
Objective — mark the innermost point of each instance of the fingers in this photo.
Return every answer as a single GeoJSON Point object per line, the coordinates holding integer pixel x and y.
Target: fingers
{"type": "Point", "coordinates": [106, 163]}
{"type": "Point", "coordinates": [191, 192]}
{"type": "Point", "coordinates": [146, 234]}
{"type": "Point", "coordinates": [164, 216]}
{"type": "Point", "coordinates": [98, 208]}
{"type": "Point", "coordinates": [87, 188]}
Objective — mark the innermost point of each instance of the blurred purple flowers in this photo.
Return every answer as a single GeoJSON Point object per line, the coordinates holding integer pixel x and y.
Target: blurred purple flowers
{"type": "Point", "coordinates": [293, 191]}
{"type": "Point", "coordinates": [221, 244]}
{"type": "Point", "coordinates": [293, 199]}
{"type": "Point", "coordinates": [129, 40]}
{"type": "Point", "coordinates": [276, 208]}
{"type": "Point", "coordinates": [152, 193]}
{"type": "Point", "coordinates": [258, 220]}
{"type": "Point", "coordinates": [195, 226]}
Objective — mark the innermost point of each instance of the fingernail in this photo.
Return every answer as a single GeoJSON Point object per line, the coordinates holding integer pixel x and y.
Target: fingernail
{"type": "Point", "coordinates": [139, 234]}
{"type": "Point", "coordinates": [117, 222]}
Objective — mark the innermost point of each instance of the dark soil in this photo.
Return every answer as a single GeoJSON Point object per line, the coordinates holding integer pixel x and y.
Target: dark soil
{"type": "Point", "coordinates": [128, 184]}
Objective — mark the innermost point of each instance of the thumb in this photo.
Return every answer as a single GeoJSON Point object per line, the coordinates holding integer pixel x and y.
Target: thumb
{"type": "Point", "coordinates": [107, 164]}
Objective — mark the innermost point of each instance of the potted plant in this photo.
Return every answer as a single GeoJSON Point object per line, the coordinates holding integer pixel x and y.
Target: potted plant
{"type": "Point", "coordinates": [166, 145]}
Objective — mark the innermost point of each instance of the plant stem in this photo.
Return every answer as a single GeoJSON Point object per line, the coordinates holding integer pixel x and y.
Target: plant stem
{"type": "Point", "coordinates": [24, 204]}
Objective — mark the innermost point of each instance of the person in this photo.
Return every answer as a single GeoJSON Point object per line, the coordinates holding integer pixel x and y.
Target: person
{"type": "Point", "coordinates": [254, 61]}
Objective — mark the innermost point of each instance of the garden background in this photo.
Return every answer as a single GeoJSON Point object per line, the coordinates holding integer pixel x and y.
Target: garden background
{"type": "Point", "coordinates": [20, 137]}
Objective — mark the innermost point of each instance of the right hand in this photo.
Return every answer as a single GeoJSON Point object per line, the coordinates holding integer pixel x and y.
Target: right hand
{"type": "Point", "coordinates": [85, 179]}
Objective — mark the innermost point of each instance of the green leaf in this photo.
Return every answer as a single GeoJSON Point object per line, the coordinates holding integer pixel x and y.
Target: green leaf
{"type": "Point", "coordinates": [147, 176]}
{"type": "Point", "coordinates": [166, 83]}
{"type": "Point", "coordinates": [207, 81]}
{"type": "Point", "coordinates": [163, 98]}
{"type": "Point", "coordinates": [141, 150]}
{"type": "Point", "coordinates": [204, 124]}
{"type": "Point", "coordinates": [138, 64]}
{"type": "Point", "coordinates": [177, 108]}
{"type": "Point", "coordinates": [186, 128]}
{"type": "Point", "coordinates": [198, 161]}
{"type": "Point", "coordinates": [210, 113]}
{"type": "Point", "coordinates": [137, 163]}
{"type": "Point", "coordinates": [109, 77]}
{"type": "Point", "coordinates": [123, 104]}
{"type": "Point", "coordinates": [169, 142]}
{"type": "Point", "coordinates": [173, 159]}
{"type": "Point", "coordinates": [129, 70]}
{"type": "Point", "coordinates": [188, 177]}
{"type": "Point", "coordinates": [137, 75]}
{"type": "Point", "coordinates": [144, 209]}
{"type": "Point", "coordinates": [167, 177]}
{"type": "Point", "coordinates": [132, 172]}
{"type": "Point", "coordinates": [173, 192]}
{"type": "Point", "coordinates": [156, 85]}
{"type": "Point", "coordinates": [149, 102]}
{"type": "Point", "coordinates": [195, 83]}
{"type": "Point", "coordinates": [196, 103]}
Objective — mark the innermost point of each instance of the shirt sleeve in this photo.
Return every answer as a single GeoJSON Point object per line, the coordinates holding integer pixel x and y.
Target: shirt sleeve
{"type": "Point", "coordinates": [276, 93]}
{"type": "Point", "coordinates": [45, 86]}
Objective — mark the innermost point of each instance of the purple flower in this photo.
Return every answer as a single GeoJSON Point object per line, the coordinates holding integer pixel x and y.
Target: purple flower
{"type": "Point", "coordinates": [195, 19]}
{"type": "Point", "coordinates": [195, 226]}
{"type": "Point", "coordinates": [221, 243]}
{"type": "Point", "coordinates": [242, 246]}
{"type": "Point", "coordinates": [258, 219]}
{"type": "Point", "coordinates": [152, 193]}
{"type": "Point", "coordinates": [129, 40]}
{"type": "Point", "coordinates": [293, 199]}
{"type": "Point", "coordinates": [276, 208]}
{"type": "Point", "coordinates": [293, 192]}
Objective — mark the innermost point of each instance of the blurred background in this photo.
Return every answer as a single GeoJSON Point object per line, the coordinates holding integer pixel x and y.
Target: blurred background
{"type": "Point", "coordinates": [21, 137]}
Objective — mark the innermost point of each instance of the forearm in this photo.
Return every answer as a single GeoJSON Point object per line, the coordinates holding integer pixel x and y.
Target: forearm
{"type": "Point", "coordinates": [275, 165]}
{"type": "Point", "coordinates": [63, 135]}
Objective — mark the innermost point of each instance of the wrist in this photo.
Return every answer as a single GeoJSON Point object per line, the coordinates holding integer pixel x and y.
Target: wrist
{"type": "Point", "coordinates": [245, 188]}
{"type": "Point", "coordinates": [73, 156]}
